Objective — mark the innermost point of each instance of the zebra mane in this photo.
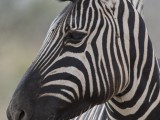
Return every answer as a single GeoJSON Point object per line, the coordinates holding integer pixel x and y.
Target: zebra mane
{"type": "Point", "coordinates": [138, 5]}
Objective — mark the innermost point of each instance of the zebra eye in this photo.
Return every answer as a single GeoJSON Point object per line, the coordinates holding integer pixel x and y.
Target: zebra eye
{"type": "Point", "coordinates": [75, 36]}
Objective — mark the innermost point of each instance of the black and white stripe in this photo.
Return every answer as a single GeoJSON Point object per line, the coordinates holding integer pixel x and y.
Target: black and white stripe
{"type": "Point", "coordinates": [98, 56]}
{"type": "Point", "coordinates": [113, 57]}
{"type": "Point", "coordinates": [138, 4]}
{"type": "Point", "coordinates": [137, 106]}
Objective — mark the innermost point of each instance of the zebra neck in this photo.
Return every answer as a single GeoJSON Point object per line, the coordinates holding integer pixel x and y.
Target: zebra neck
{"type": "Point", "coordinates": [142, 98]}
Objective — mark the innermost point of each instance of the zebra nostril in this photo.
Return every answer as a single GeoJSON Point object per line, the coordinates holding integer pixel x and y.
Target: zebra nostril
{"type": "Point", "coordinates": [21, 115]}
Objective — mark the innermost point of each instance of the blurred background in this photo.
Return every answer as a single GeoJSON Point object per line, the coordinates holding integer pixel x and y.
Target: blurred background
{"type": "Point", "coordinates": [23, 27]}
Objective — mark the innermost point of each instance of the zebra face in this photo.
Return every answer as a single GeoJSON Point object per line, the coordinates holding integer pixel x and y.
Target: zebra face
{"type": "Point", "coordinates": [72, 72]}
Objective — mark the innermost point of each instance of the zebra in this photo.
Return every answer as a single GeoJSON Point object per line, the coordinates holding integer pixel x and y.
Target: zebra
{"type": "Point", "coordinates": [138, 5]}
{"type": "Point", "coordinates": [97, 52]}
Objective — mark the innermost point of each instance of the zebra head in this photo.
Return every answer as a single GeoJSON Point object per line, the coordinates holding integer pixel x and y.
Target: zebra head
{"type": "Point", "coordinates": [77, 67]}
